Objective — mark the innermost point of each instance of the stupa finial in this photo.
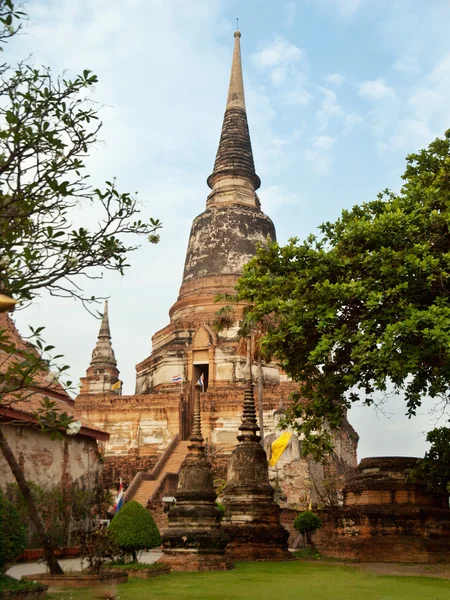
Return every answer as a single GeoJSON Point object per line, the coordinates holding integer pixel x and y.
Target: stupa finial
{"type": "Point", "coordinates": [234, 157]}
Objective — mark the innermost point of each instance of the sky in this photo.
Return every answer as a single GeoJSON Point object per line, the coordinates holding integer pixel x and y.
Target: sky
{"type": "Point", "coordinates": [338, 92]}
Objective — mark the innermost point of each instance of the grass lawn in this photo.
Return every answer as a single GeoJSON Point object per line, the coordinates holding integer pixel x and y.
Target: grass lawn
{"type": "Point", "coordinates": [296, 580]}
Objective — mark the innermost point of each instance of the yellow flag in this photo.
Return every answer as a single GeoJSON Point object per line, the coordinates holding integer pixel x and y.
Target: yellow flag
{"type": "Point", "coordinates": [278, 447]}
{"type": "Point", "coordinates": [117, 385]}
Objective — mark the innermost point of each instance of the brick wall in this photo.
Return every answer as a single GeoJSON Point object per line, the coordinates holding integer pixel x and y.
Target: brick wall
{"type": "Point", "coordinates": [126, 467]}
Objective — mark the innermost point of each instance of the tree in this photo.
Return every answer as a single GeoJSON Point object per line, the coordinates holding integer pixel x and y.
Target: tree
{"type": "Point", "coordinates": [365, 306]}
{"type": "Point", "coordinates": [434, 468]}
{"type": "Point", "coordinates": [307, 523]}
{"type": "Point", "coordinates": [12, 534]}
{"type": "Point", "coordinates": [47, 128]}
{"type": "Point", "coordinates": [133, 529]}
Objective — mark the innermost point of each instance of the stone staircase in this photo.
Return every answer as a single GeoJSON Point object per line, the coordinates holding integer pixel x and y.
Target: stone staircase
{"type": "Point", "coordinates": [149, 488]}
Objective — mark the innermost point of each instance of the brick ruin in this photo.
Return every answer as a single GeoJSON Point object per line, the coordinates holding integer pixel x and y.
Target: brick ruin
{"type": "Point", "coordinates": [387, 517]}
{"type": "Point", "coordinates": [147, 427]}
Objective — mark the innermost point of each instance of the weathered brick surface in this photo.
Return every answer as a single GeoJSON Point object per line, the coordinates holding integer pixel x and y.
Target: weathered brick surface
{"type": "Point", "coordinates": [386, 534]}
{"type": "Point", "coordinates": [195, 561]}
{"type": "Point", "coordinates": [126, 467]}
{"type": "Point", "coordinates": [386, 517]}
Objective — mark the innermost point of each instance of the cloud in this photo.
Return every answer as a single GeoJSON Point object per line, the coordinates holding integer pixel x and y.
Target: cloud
{"type": "Point", "coordinates": [376, 90]}
{"type": "Point", "coordinates": [335, 79]}
{"type": "Point", "coordinates": [410, 117]}
{"type": "Point", "coordinates": [331, 109]}
{"type": "Point", "coordinates": [297, 97]}
{"type": "Point", "coordinates": [319, 155]}
{"type": "Point", "coordinates": [276, 196]}
{"type": "Point", "coordinates": [279, 57]}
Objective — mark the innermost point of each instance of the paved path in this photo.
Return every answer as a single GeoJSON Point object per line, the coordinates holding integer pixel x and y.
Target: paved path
{"type": "Point", "coordinates": [67, 564]}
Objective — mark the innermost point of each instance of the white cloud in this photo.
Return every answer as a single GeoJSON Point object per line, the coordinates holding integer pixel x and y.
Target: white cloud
{"type": "Point", "coordinates": [319, 155]}
{"type": "Point", "coordinates": [331, 109]}
{"type": "Point", "coordinates": [297, 97]}
{"type": "Point", "coordinates": [279, 58]}
{"type": "Point", "coordinates": [376, 90]}
{"type": "Point", "coordinates": [335, 79]}
{"type": "Point", "coordinates": [275, 196]}
{"type": "Point", "coordinates": [408, 119]}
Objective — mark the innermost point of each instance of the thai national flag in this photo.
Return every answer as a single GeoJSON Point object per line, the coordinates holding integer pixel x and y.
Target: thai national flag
{"type": "Point", "coordinates": [177, 379]}
{"type": "Point", "coordinates": [119, 500]}
{"type": "Point", "coordinates": [201, 380]}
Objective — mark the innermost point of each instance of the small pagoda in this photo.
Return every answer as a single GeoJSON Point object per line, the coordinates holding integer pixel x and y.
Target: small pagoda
{"type": "Point", "coordinates": [194, 540]}
{"type": "Point", "coordinates": [252, 517]}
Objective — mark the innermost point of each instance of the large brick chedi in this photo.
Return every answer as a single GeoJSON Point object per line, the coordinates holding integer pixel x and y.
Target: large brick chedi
{"type": "Point", "coordinates": [148, 424]}
{"type": "Point", "coordinates": [252, 517]}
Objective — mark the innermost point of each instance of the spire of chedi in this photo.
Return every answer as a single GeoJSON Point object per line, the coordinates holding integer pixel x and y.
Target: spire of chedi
{"type": "Point", "coordinates": [225, 236]}
{"type": "Point", "coordinates": [252, 517]}
{"type": "Point", "coordinates": [103, 353]}
{"type": "Point", "coordinates": [234, 165]}
{"type": "Point", "coordinates": [102, 373]}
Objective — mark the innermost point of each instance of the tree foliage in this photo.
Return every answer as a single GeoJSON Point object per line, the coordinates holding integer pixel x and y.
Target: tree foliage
{"type": "Point", "coordinates": [12, 534]}
{"type": "Point", "coordinates": [307, 523]}
{"type": "Point", "coordinates": [434, 468]}
{"type": "Point", "coordinates": [49, 125]}
{"type": "Point", "coordinates": [365, 305]}
{"type": "Point", "coordinates": [133, 529]}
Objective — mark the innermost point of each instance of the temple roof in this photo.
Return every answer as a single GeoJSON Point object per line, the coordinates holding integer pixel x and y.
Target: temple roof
{"type": "Point", "coordinates": [234, 156]}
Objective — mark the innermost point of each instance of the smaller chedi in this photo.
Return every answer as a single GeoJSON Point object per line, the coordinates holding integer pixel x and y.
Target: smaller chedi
{"type": "Point", "coordinates": [387, 516]}
{"type": "Point", "coordinates": [194, 540]}
{"type": "Point", "coordinates": [252, 517]}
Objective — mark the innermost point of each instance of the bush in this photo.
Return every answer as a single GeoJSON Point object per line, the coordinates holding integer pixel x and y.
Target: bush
{"type": "Point", "coordinates": [307, 523]}
{"type": "Point", "coordinates": [99, 548]}
{"type": "Point", "coordinates": [12, 534]}
{"type": "Point", "coordinates": [133, 529]}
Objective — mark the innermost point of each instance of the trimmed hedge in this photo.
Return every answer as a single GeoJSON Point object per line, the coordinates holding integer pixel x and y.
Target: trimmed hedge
{"type": "Point", "coordinates": [133, 529]}
{"type": "Point", "coordinates": [12, 534]}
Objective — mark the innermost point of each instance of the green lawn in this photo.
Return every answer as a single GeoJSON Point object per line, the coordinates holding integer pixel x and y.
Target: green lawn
{"type": "Point", "coordinates": [296, 580]}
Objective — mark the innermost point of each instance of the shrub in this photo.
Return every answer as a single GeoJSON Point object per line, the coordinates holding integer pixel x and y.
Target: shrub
{"type": "Point", "coordinates": [99, 548]}
{"type": "Point", "coordinates": [12, 534]}
{"type": "Point", "coordinates": [133, 529]}
{"type": "Point", "coordinates": [221, 507]}
{"type": "Point", "coordinates": [307, 523]}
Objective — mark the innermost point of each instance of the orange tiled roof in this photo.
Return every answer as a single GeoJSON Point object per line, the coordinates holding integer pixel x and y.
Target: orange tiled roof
{"type": "Point", "coordinates": [45, 385]}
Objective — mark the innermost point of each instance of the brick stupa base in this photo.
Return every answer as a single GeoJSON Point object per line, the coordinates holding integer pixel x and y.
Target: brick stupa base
{"type": "Point", "coordinates": [252, 517]}
{"type": "Point", "coordinates": [387, 518]}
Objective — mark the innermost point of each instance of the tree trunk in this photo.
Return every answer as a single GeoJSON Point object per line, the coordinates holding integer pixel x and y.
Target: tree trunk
{"type": "Point", "coordinates": [49, 556]}
{"type": "Point", "coordinates": [260, 400]}
{"type": "Point", "coordinates": [249, 357]}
